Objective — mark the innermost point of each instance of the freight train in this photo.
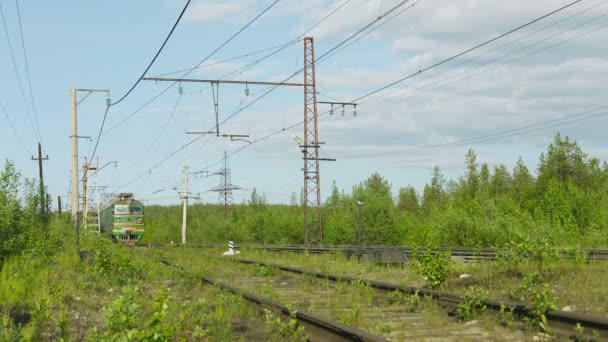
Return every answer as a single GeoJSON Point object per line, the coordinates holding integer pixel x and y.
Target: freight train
{"type": "Point", "coordinates": [122, 219]}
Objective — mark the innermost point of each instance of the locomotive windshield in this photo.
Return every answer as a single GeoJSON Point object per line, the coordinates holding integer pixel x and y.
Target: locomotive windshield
{"type": "Point", "coordinates": [136, 210]}
{"type": "Point", "coordinates": [121, 209]}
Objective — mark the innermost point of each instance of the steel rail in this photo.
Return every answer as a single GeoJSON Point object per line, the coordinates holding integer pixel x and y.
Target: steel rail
{"type": "Point", "coordinates": [562, 322]}
{"type": "Point", "coordinates": [316, 326]}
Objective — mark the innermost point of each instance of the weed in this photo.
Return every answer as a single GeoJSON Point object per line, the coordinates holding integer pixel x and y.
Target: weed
{"type": "Point", "coordinates": [413, 303]}
{"type": "Point", "coordinates": [41, 317]}
{"type": "Point", "coordinates": [394, 297]}
{"type": "Point", "coordinates": [353, 316]}
{"type": "Point", "coordinates": [10, 330]}
{"type": "Point", "coordinates": [267, 289]}
{"type": "Point", "coordinates": [384, 327]}
{"type": "Point", "coordinates": [505, 316]}
{"type": "Point", "coordinates": [265, 271]}
{"type": "Point", "coordinates": [64, 326]}
{"type": "Point", "coordinates": [435, 268]}
{"type": "Point", "coordinates": [474, 304]}
{"type": "Point", "coordinates": [364, 289]}
{"type": "Point", "coordinates": [281, 331]}
{"type": "Point", "coordinates": [540, 298]}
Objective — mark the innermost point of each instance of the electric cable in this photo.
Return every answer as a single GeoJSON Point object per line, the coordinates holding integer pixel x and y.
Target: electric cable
{"type": "Point", "coordinates": [13, 127]}
{"type": "Point", "coordinates": [412, 94]}
{"type": "Point", "coordinates": [490, 51]}
{"type": "Point", "coordinates": [27, 68]}
{"type": "Point", "coordinates": [468, 50]}
{"type": "Point", "coordinates": [199, 64]}
{"type": "Point", "coordinates": [226, 60]}
{"type": "Point", "coordinates": [35, 127]}
{"type": "Point", "coordinates": [155, 56]}
{"type": "Point", "coordinates": [329, 55]}
{"type": "Point", "coordinates": [497, 135]}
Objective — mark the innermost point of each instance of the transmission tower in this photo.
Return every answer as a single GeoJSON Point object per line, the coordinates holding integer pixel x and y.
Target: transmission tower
{"type": "Point", "coordinates": [313, 227]}
{"type": "Point", "coordinates": [225, 188]}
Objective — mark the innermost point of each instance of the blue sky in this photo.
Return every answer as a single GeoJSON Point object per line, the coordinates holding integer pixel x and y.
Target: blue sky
{"type": "Point", "coordinates": [554, 68]}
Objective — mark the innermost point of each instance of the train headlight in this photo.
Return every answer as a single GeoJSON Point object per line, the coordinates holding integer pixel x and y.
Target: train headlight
{"type": "Point", "coordinates": [139, 220]}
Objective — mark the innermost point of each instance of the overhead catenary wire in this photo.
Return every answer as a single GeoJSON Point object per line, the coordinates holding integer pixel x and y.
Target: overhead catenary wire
{"type": "Point", "coordinates": [278, 132]}
{"type": "Point", "coordinates": [317, 61]}
{"type": "Point", "coordinates": [493, 50]}
{"type": "Point", "coordinates": [27, 68]}
{"type": "Point", "coordinates": [467, 50]}
{"type": "Point", "coordinates": [249, 54]}
{"type": "Point", "coordinates": [373, 29]}
{"type": "Point", "coordinates": [568, 119]}
{"type": "Point", "coordinates": [155, 56]}
{"type": "Point", "coordinates": [199, 63]}
{"type": "Point", "coordinates": [464, 73]}
{"type": "Point", "coordinates": [33, 123]}
{"type": "Point", "coordinates": [545, 48]}
{"type": "Point", "coordinates": [10, 122]}
{"type": "Point", "coordinates": [105, 115]}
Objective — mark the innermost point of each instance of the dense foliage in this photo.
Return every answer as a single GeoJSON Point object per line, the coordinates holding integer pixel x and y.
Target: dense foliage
{"type": "Point", "coordinates": [565, 203]}
{"type": "Point", "coordinates": [23, 220]}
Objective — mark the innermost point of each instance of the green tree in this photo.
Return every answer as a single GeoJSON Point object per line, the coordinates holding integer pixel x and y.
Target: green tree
{"type": "Point", "coordinates": [408, 200]}
{"type": "Point", "coordinates": [501, 181]}
{"type": "Point", "coordinates": [378, 211]}
{"type": "Point", "coordinates": [434, 196]}
{"type": "Point", "coordinates": [12, 234]}
{"type": "Point", "coordinates": [522, 187]}
{"type": "Point", "coordinates": [564, 162]}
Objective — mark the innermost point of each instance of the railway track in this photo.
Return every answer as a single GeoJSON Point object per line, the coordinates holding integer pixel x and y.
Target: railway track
{"type": "Point", "coordinates": [394, 254]}
{"type": "Point", "coordinates": [352, 310]}
{"type": "Point", "coordinates": [317, 328]}
{"type": "Point", "coordinates": [560, 322]}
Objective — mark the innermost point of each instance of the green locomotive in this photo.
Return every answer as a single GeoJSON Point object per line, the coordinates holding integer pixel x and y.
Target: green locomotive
{"type": "Point", "coordinates": [123, 219]}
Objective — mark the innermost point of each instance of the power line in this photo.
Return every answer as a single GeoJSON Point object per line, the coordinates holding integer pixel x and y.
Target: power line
{"type": "Point", "coordinates": [27, 110]}
{"type": "Point", "coordinates": [394, 8]}
{"type": "Point", "coordinates": [13, 127]}
{"type": "Point", "coordinates": [486, 138]}
{"type": "Point", "coordinates": [492, 50]}
{"type": "Point", "coordinates": [318, 60]}
{"type": "Point", "coordinates": [162, 161]}
{"type": "Point", "coordinates": [497, 135]}
{"type": "Point", "coordinates": [403, 97]}
{"type": "Point", "coordinates": [227, 60]}
{"type": "Point", "coordinates": [374, 29]}
{"type": "Point", "coordinates": [155, 56]}
{"type": "Point", "coordinates": [467, 51]}
{"type": "Point", "coordinates": [324, 18]}
{"type": "Point", "coordinates": [200, 63]}
{"type": "Point", "coordinates": [27, 67]}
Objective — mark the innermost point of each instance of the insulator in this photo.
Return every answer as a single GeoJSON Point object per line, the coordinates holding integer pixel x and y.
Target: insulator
{"type": "Point", "coordinates": [342, 110]}
{"type": "Point", "coordinates": [180, 89]}
{"type": "Point", "coordinates": [246, 91]}
{"type": "Point", "coordinates": [108, 102]}
{"type": "Point", "coordinates": [331, 111]}
{"type": "Point", "coordinates": [355, 110]}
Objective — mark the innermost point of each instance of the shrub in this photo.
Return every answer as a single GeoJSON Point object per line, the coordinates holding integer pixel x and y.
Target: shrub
{"type": "Point", "coordinates": [435, 268]}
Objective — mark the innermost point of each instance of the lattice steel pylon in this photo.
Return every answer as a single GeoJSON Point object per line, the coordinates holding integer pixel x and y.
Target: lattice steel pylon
{"type": "Point", "coordinates": [313, 231]}
{"type": "Point", "coordinates": [225, 188]}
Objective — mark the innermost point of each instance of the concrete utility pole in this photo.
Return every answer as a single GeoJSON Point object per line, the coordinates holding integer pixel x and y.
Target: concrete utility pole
{"type": "Point", "coordinates": [184, 196]}
{"type": "Point", "coordinates": [74, 137]}
{"type": "Point", "coordinates": [40, 159]}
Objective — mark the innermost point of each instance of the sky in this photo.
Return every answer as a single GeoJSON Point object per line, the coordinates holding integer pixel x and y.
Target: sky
{"type": "Point", "coordinates": [505, 100]}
